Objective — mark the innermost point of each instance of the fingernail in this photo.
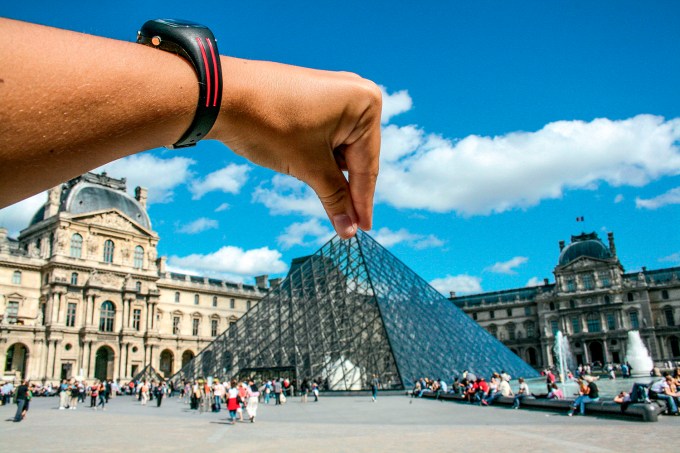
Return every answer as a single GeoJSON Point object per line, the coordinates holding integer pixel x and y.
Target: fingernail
{"type": "Point", "coordinates": [344, 225]}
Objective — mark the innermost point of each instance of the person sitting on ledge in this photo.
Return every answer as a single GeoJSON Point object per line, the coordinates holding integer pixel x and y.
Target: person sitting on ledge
{"type": "Point", "coordinates": [522, 392]}
{"type": "Point", "coordinates": [589, 393]}
{"type": "Point", "coordinates": [555, 392]}
{"type": "Point", "coordinates": [665, 390]}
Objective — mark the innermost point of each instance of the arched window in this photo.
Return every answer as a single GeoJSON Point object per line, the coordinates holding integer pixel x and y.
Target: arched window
{"type": "Point", "coordinates": [139, 257]}
{"type": "Point", "coordinates": [511, 330]}
{"type": "Point", "coordinates": [138, 287]}
{"type": "Point", "coordinates": [16, 278]}
{"type": "Point", "coordinates": [108, 251]}
{"type": "Point", "coordinates": [196, 299]}
{"type": "Point", "coordinates": [107, 316]}
{"type": "Point", "coordinates": [593, 321]}
{"type": "Point", "coordinates": [74, 278]}
{"type": "Point", "coordinates": [177, 297]}
{"type": "Point", "coordinates": [76, 246]}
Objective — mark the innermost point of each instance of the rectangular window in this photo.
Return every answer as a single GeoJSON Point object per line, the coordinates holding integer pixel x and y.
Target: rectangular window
{"type": "Point", "coordinates": [575, 325]}
{"type": "Point", "coordinates": [194, 326]}
{"type": "Point", "coordinates": [571, 285]}
{"type": "Point", "coordinates": [248, 305]}
{"type": "Point", "coordinates": [604, 280]}
{"type": "Point", "coordinates": [232, 303]}
{"type": "Point", "coordinates": [12, 313]}
{"type": "Point", "coordinates": [554, 326]}
{"type": "Point", "coordinates": [16, 278]}
{"type": "Point", "coordinates": [611, 321]}
{"type": "Point", "coordinates": [634, 323]}
{"type": "Point", "coordinates": [213, 327]}
{"type": "Point", "coordinates": [492, 314]}
{"type": "Point", "coordinates": [588, 282]}
{"type": "Point", "coordinates": [175, 325]}
{"type": "Point", "coordinates": [509, 312]}
{"type": "Point", "coordinates": [214, 301]}
{"type": "Point", "coordinates": [71, 315]}
{"type": "Point", "coordinates": [593, 322]}
{"type": "Point", "coordinates": [527, 311]}
{"type": "Point", "coordinates": [136, 318]}
{"type": "Point", "coordinates": [474, 316]}
{"type": "Point", "coordinates": [531, 330]}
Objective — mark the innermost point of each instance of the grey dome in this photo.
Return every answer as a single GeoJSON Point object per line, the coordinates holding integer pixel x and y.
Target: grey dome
{"type": "Point", "coordinates": [91, 192]}
{"type": "Point", "coordinates": [588, 245]}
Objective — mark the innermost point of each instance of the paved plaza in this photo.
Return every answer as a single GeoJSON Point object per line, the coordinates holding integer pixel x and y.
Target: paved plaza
{"type": "Point", "coordinates": [334, 424]}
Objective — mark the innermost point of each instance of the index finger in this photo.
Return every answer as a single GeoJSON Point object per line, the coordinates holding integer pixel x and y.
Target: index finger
{"type": "Point", "coordinates": [363, 162]}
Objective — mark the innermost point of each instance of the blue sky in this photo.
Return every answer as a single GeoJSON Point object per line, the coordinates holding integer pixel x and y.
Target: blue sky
{"type": "Point", "coordinates": [503, 122]}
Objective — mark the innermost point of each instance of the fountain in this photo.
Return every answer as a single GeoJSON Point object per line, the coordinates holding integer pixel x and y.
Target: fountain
{"type": "Point", "coordinates": [562, 352]}
{"type": "Point", "coordinates": [637, 355]}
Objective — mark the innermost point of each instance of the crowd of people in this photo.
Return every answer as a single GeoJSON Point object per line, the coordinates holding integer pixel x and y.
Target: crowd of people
{"type": "Point", "coordinates": [477, 390]}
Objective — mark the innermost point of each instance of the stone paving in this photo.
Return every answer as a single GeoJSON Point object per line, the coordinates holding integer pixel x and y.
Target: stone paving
{"type": "Point", "coordinates": [334, 424]}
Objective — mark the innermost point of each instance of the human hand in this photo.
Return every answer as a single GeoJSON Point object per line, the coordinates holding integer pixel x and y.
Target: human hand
{"type": "Point", "coordinates": [310, 124]}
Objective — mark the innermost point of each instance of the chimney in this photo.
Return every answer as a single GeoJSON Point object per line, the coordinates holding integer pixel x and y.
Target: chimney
{"type": "Point", "coordinates": [612, 246]}
{"type": "Point", "coordinates": [546, 282]}
{"type": "Point", "coordinates": [53, 202]}
{"type": "Point", "coordinates": [452, 294]}
{"type": "Point", "coordinates": [141, 195]}
{"type": "Point", "coordinates": [4, 246]}
{"type": "Point", "coordinates": [561, 245]}
{"type": "Point", "coordinates": [274, 282]}
{"type": "Point", "coordinates": [261, 281]}
{"type": "Point", "coordinates": [160, 264]}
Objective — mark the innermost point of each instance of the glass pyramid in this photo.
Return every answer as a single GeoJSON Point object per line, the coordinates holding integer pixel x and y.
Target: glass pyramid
{"type": "Point", "coordinates": [348, 312]}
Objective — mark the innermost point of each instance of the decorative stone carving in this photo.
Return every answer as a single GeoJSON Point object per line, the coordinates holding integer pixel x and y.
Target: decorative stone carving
{"type": "Point", "coordinates": [105, 279]}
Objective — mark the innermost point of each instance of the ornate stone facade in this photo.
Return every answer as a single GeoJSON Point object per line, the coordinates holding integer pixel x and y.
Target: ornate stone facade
{"type": "Point", "coordinates": [82, 292]}
{"type": "Point", "coordinates": [593, 302]}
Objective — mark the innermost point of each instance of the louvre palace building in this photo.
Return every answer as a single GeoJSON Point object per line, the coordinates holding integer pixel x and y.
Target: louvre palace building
{"type": "Point", "coordinates": [593, 301]}
{"type": "Point", "coordinates": [84, 294]}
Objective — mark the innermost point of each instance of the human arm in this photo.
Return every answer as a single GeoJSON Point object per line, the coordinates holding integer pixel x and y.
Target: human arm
{"type": "Point", "coordinates": [71, 102]}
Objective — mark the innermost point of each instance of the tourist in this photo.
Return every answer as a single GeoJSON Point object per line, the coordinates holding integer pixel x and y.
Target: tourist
{"type": "Point", "coordinates": [315, 391]}
{"type": "Point", "coordinates": [232, 401]}
{"type": "Point", "coordinates": [664, 389]}
{"type": "Point", "coordinates": [304, 390]}
{"type": "Point", "coordinates": [102, 396]}
{"type": "Point", "coordinates": [243, 399]}
{"type": "Point", "coordinates": [218, 391]}
{"type": "Point", "coordinates": [7, 391]}
{"type": "Point", "coordinates": [482, 390]}
{"type": "Point", "coordinates": [23, 396]}
{"type": "Point", "coordinates": [63, 395]}
{"type": "Point", "coordinates": [277, 391]}
{"type": "Point", "coordinates": [75, 396]}
{"type": "Point", "coordinates": [555, 392]}
{"type": "Point", "coordinates": [159, 390]}
{"type": "Point", "coordinates": [588, 393]}
{"type": "Point", "coordinates": [374, 388]}
{"type": "Point", "coordinates": [94, 394]}
{"type": "Point", "coordinates": [522, 392]}
{"type": "Point", "coordinates": [622, 397]}
{"type": "Point", "coordinates": [268, 388]}
{"type": "Point", "coordinates": [253, 397]}
{"type": "Point", "coordinates": [549, 379]}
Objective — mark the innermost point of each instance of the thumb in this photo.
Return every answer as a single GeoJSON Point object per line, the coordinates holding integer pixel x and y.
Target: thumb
{"type": "Point", "coordinates": [333, 191]}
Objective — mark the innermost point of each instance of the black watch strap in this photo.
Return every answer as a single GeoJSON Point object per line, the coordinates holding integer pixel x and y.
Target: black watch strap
{"type": "Point", "coordinates": [195, 43]}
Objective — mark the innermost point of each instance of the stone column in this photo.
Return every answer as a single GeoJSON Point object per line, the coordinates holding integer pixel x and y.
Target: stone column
{"type": "Point", "coordinates": [153, 316]}
{"type": "Point", "coordinates": [605, 351]}
{"type": "Point", "coordinates": [56, 373]}
{"type": "Point", "coordinates": [54, 312]}
{"type": "Point", "coordinates": [45, 360]}
{"type": "Point", "coordinates": [116, 364]}
{"type": "Point", "coordinates": [123, 361]}
{"type": "Point", "coordinates": [90, 361]}
{"type": "Point", "coordinates": [61, 314]}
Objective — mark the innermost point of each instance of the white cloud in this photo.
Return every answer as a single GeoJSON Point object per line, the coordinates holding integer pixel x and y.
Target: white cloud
{"type": "Point", "coordinates": [388, 238]}
{"type": "Point", "coordinates": [229, 179]}
{"type": "Point", "coordinates": [198, 226]}
{"type": "Point", "coordinates": [618, 199]}
{"type": "Point", "coordinates": [508, 267]}
{"type": "Point", "coordinates": [222, 207]}
{"type": "Point", "coordinates": [311, 232]}
{"type": "Point", "coordinates": [481, 175]}
{"type": "Point", "coordinates": [672, 258]}
{"type": "Point", "coordinates": [287, 195]}
{"type": "Point", "coordinates": [534, 281]}
{"type": "Point", "coordinates": [461, 284]}
{"type": "Point", "coordinates": [230, 261]}
{"type": "Point", "coordinates": [16, 217]}
{"type": "Point", "coordinates": [139, 169]}
{"type": "Point", "coordinates": [670, 197]}
{"type": "Point", "coordinates": [394, 104]}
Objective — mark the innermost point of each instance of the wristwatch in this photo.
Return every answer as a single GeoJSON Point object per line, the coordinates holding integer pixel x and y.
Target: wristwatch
{"type": "Point", "coordinates": [195, 43]}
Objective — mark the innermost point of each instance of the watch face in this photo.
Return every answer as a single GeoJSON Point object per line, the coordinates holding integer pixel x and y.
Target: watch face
{"type": "Point", "coordinates": [179, 23]}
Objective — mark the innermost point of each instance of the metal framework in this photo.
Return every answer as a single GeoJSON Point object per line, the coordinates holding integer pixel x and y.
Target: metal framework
{"type": "Point", "coordinates": [348, 312]}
